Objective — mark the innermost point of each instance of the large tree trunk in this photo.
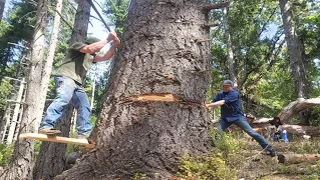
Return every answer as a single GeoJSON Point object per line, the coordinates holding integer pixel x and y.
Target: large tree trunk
{"type": "Point", "coordinates": [298, 68]}
{"type": "Point", "coordinates": [51, 160]}
{"type": "Point", "coordinates": [227, 36]}
{"type": "Point", "coordinates": [2, 3]}
{"type": "Point", "coordinates": [163, 60]}
{"type": "Point", "coordinates": [21, 163]}
{"type": "Point", "coordinates": [48, 64]}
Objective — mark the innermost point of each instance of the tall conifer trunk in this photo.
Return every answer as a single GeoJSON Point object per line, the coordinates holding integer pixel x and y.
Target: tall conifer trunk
{"type": "Point", "coordinates": [296, 60]}
{"type": "Point", "coordinates": [21, 161]}
{"type": "Point", "coordinates": [51, 159]}
{"type": "Point", "coordinates": [164, 55]}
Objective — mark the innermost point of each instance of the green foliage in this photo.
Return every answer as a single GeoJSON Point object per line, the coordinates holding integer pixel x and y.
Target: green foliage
{"type": "Point", "coordinates": [202, 167]}
{"type": "Point", "coordinates": [117, 11]}
{"type": "Point", "coordinates": [5, 154]}
{"type": "Point", "coordinates": [139, 176]}
{"type": "Point", "coordinates": [93, 120]}
{"type": "Point", "coordinates": [5, 88]}
{"type": "Point", "coordinates": [224, 142]}
{"type": "Point", "coordinates": [16, 27]}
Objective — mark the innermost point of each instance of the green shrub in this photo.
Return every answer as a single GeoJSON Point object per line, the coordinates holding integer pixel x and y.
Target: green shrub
{"type": "Point", "coordinates": [5, 154]}
{"type": "Point", "coordinates": [203, 167]}
{"type": "Point", "coordinates": [139, 176]}
{"type": "Point", "coordinates": [225, 142]}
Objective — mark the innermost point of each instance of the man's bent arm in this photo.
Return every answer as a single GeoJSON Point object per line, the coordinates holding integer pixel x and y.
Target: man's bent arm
{"type": "Point", "coordinates": [94, 47]}
{"type": "Point", "coordinates": [106, 56]}
{"type": "Point", "coordinates": [215, 104]}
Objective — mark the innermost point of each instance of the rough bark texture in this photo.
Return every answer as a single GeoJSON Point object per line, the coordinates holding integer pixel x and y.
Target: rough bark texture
{"type": "Point", "coordinates": [21, 163]}
{"type": "Point", "coordinates": [80, 27]}
{"type": "Point", "coordinates": [2, 3]}
{"type": "Point", "coordinates": [46, 72]}
{"type": "Point", "coordinates": [298, 69]}
{"type": "Point", "coordinates": [159, 54]}
{"type": "Point", "coordinates": [297, 62]}
{"type": "Point", "coordinates": [51, 160]}
{"type": "Point", "coordinates": [298, 158]}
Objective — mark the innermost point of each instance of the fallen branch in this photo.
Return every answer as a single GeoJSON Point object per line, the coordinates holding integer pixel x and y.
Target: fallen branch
{"type": "Point", "coordinates": [215, 6]}
{"type": "Point", "coordinates": [297, 106]}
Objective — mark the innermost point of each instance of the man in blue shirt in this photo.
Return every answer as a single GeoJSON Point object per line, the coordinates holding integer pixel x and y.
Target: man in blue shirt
{"type": "Point", "coordinates": [231, 113]}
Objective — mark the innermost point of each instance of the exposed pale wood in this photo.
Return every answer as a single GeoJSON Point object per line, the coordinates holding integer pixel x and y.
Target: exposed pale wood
{"type": "Point", "coordinates": [298, 158]}
{"type": "Point", "coordinates": [59, 139]}
{"type": "Point", "coordinates": [154, 97]}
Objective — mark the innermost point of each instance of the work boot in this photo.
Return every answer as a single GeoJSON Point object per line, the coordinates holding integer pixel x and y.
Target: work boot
{"type": "Point", "coordinates": [270, 152]}
{"type": "Point", "coordinates": [50, 131]}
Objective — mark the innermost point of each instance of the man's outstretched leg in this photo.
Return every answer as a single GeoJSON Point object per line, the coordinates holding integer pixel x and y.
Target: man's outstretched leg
{"type": "Point", "coordinates": [244, 125]}
{"type": "Point", "coordinates": [65, 89]}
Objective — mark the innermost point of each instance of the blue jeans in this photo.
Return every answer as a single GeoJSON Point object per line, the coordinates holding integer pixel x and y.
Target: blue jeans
{"type": "Point", "coordinates": [274, 137]}
{"type": "Point", "coordinates": [244, 125]}
{"type": "Point", "coordinates": [68, 91]}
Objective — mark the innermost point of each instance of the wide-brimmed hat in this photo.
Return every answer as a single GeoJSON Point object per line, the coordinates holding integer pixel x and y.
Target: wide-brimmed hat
{"type": "Point", "coordinates": [91, 40]}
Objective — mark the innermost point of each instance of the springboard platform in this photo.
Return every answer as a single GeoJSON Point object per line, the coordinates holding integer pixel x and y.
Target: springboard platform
{"type": "Point", "coordinates": [58, 139]}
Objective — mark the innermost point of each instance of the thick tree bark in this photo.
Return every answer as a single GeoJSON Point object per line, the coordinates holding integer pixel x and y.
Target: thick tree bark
{"type": "Point", "coordinates": [51, 160]}
{"type": "Point", "coordinates": [159, 55]}
{"type": "Point", "coordinates": [21, 162]}
{"type": "Point", "coordinates": [2, 3]}
{"type": "Point", "coordinates": [45, 76]}
{"type": "Point", "coordinates": [295, 51]}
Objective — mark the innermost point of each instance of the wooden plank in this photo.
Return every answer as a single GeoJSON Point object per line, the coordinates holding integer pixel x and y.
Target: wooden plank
{"type": "Point", "coordinates": [59, 139]}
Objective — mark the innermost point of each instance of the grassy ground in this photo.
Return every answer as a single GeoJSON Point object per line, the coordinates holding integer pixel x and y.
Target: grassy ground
{"type": "Point", "coordinates": [242, 159]}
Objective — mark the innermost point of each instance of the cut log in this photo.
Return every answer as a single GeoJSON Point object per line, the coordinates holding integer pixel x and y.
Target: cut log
{"type": "Point", "coordinates": [302, 130]}
{"type": "Point", "coordinates": [298, 158]}
{"type": "Point", "coordinates": [59, 139]}
{"type": "Point", "coordinates": [294, 129]}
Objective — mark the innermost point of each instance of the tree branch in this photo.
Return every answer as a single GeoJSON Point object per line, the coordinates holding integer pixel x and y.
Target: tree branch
{"type": "Point", "coordinates": [63, 19]}
{"type": "Point", "coordinates": [215, 6]}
